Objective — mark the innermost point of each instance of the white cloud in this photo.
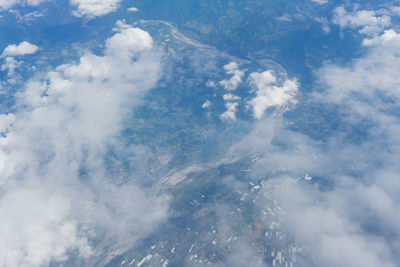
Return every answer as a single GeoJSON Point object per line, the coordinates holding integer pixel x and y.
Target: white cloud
{"type": "Point", "coordinates": [324, 24]}
{"type": "Point", "coordinates": [230, 113]}
{"type": "Point", "coordinates": [321, 2]}
{"type": "Point", "coordinates": [10, 64]}
{"type": "Point", "coordinates": [328, 229]}
{"type": "Point", "coordinates": [375, 73]}
{"type": "Point", "coordinates": [132, 9]}
{"type": "Point", "coordinates": [232, 83]}
{"type": "Point", "coordinates": [395, 10]}
{"type": "Point", "coordinates": [94, 8]}
{"type": "Point", "coordinates": [6, 4]}
{"type": "Point", "coordinates": [364, 90]}
{"type": "Point", "coordinates": [33, 236]}
{"type": "Point", "coordinates": [65, 122]}
{"type": "Point", "coordinates": [388, 38]}
{"type": "Point", "coordinates": [84, 8]}
{"type": "Point", "coordinates": [128, 43]}
{"type": "Point", "coordinates": [31, 16]}
{"type": "Point", "coordinates": [23, 48]}
{"type": "Point", "coordinates": [332, 232]}
{"type": "Point", "coordinates": [206, 104]}
{"type": "Point", "coordinates": [230, 97]}
{"type": "Point", "coordinates": [369, 22]}
{"type": "Point", "coordinates": [269, 94]}
{"type": "Point", "coordinates": [5, 122]}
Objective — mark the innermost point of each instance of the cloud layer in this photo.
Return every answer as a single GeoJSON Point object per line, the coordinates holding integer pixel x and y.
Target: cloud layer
{"type": "Point", "coordinates": [345, 212]}
{"type": "Point", "coordinates": [53, 157]}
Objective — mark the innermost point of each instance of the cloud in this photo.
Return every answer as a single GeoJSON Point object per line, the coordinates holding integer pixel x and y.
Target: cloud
{"type": "Point", "coordinates": [230, 97]}
{"type": "Point", "coordinates": [23, 48]}
{"type": "Point", "coordinates": [394, 10]}
{"type": "Point", "coordinates": [84, 8]}
{"type": "Point", "coordinates": [5, 122]}
{"type": "Point", "coordinates": [332, 231]}
{"type": "Point", "coordinates": [369, 22]}
{"type": "Point", "coordinates": [327, 229]}
{"type": "Point", "coordinates": [54, 158]}
{"type": "Point", "coordinates": [347, 214]}
{"type": "Point", "coordinates": [6, 4]}
{"type": "Point", "coordinates": [231, 107]}
{"type": "Point", "coordinates": [13, 50]}
{"type": "Point", "coordinates": [93, 8]}
{"type": "Point", "coordinates": [269, 94]}
{"type": "Point", "coordinates": [232, 83]}
{"type": "Point", "coordinates": [49, 234]}
{"type": "Point", "coordinates": [368, 76]}
{"type": "Point", "coordinates": [55, 146]}
{"type": "Point", "coordinates": [364, 91]}
{"type": "Point", "coordinates": [28, 17]}
{"type": "Point", "coordinates": [230, 112]}
{"type": "Point", "coordinates": [132, 9]}
{"type": "Point", "coordinates": [10, 64]}
{"type": "Point", "coordinates": [321, 2]}
{"type": "Point", "coordinates": [206, 104]}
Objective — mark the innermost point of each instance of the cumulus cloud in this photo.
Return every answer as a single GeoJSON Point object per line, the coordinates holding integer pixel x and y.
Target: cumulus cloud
{"type": "Point", "coordinates": [23, 48]}
{"type": "Point", "coordinates": [269, 94]}
{"type": "Point", "coordinates": [369, 22]}
{"type": "Point", "coordinates": [11, 51]}
{"type": "Point", "coordinates": [10, 64]}
{"type": "Point", "coordinates": [230, 97]}
{"type": "Point", "coordinates": [230, 112]}
{"type": "Point", "coordinates": [231, 105]}
{"type": "Point", "coordinates": [232, 83]}
{"type": "Point", "coordinates": [206, 104]}
{"type": "Point", "coordinates": [53, 158]}
{"type": "Point", "coordinates": [94, 8]}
